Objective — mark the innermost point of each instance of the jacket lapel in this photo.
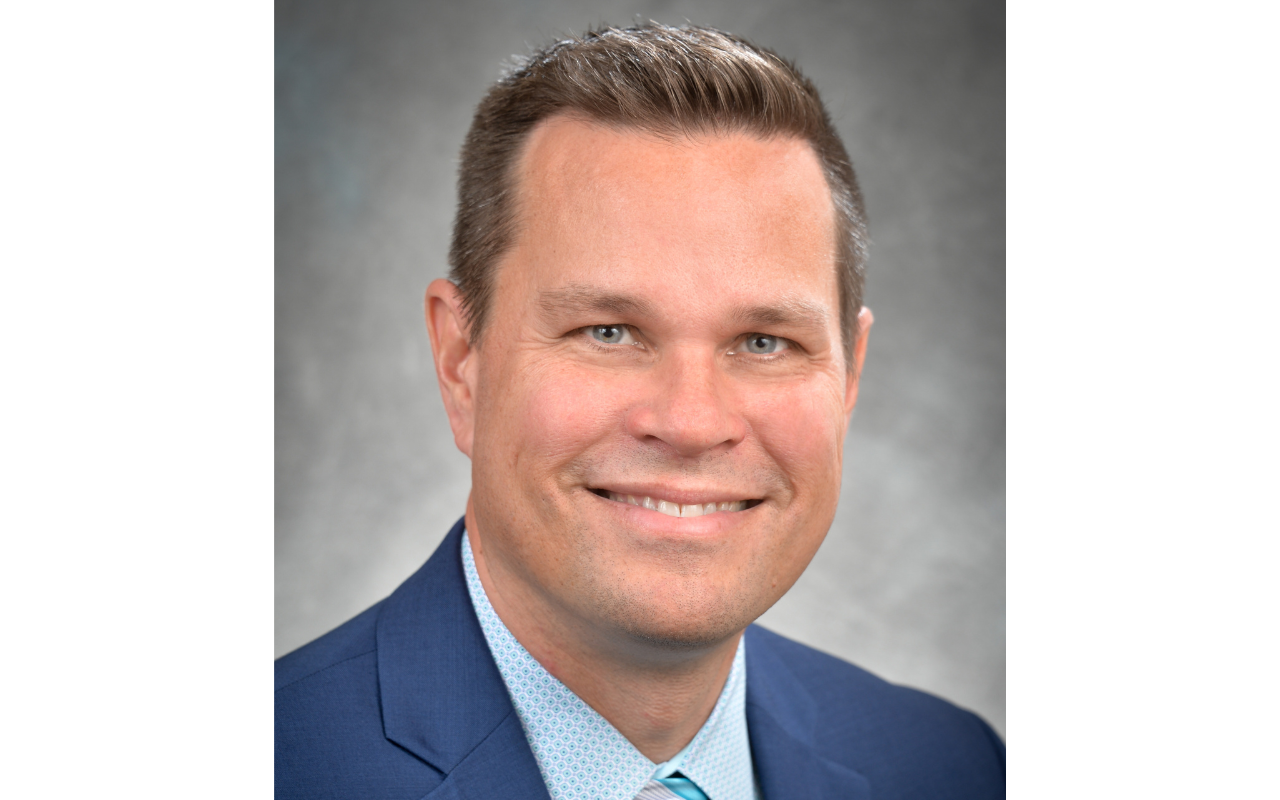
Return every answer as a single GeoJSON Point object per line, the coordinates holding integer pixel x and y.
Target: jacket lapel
{"type": "Point", "coordinates": [442, 696]}
{"type": "Point", "coordinates": [782, 725]}
{"type": "Point", "coordinates": [501, 766]}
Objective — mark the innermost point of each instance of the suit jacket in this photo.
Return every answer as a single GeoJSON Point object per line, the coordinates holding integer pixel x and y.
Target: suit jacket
{"type": "Point", "coordinates": [405, 701]}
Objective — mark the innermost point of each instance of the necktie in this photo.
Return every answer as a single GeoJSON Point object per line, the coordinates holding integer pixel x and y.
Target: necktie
{"type": "Point", "coordinates": [676, 787]}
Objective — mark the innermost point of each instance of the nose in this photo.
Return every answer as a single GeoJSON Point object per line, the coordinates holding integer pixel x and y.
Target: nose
{"type": "Point", "coordinates": [687, 403]}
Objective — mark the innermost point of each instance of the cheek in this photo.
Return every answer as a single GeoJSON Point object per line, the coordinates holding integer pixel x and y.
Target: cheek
{"type": "Point", "coordinates": [803, 429]}
{"type": "Point", "coordinates": [553, 412]}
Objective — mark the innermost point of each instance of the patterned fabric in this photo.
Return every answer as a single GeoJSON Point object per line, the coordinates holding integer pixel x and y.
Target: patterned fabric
{"type": "Point", "coordinates": [583, 757]}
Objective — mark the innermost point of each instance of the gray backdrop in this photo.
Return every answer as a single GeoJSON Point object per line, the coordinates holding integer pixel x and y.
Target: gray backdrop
{"type": "Point", "coordinates": [373, 101]}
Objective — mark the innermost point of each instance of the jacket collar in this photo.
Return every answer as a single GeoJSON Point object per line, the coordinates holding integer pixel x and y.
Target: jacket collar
{"type": "Point", "coordinates": [782, 720]}
{"type": "Point", "coordinates": [442, 696]}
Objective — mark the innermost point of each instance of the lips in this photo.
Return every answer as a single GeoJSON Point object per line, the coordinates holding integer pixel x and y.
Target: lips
{"type": "Point", "coordinates": [673, 509]}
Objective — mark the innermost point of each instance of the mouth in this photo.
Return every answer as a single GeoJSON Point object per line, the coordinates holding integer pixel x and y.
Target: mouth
{"type": "Point", "coordinates": [673, 509]}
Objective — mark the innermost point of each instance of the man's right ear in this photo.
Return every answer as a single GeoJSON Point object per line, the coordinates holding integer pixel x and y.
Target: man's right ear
{"type": "Point", "coordinates": [455, 368]}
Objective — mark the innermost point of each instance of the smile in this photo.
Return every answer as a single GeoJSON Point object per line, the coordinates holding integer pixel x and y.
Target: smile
{"type": "Point", "coordinates": [676, 509]}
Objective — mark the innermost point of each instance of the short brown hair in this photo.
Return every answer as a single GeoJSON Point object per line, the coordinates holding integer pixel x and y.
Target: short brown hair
{"type": "Point", "coordinates": [655, 78]}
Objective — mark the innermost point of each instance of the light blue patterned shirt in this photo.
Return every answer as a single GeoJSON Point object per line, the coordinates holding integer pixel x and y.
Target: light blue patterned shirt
{"type": "Point", "coordinates": [581, 755]}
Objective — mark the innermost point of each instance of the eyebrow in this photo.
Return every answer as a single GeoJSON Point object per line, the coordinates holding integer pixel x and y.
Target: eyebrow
{"type": "Point", "coordinates": [582, 300]}
{"type": "Point", "coordinates": [783, 311]}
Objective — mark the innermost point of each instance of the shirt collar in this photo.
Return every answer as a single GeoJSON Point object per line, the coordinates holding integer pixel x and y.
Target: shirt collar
{"type": "Point", "coordinates": [581, 755]}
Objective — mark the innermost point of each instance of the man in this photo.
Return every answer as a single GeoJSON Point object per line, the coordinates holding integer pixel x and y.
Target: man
{"type": "Point", "coordinates": [650, 352]}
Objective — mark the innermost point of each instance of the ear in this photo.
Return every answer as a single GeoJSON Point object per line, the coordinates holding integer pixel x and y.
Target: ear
{"type": "Point", "coordinates": [455, 367]}
{"type": "Point", "coordinates": [865, 319]}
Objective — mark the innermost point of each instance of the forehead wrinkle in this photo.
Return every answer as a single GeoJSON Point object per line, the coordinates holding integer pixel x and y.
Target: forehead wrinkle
{"type": "Point", "coordinates": [577, 299]}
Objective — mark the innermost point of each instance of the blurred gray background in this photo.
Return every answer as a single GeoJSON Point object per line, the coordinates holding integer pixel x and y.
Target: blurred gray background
{"type": "Point", "coordinates": [373, 100]}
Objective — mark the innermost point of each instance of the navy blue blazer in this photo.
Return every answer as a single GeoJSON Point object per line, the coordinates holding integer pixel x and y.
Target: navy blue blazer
{"type": "Point", "coordinates": [405, 702]}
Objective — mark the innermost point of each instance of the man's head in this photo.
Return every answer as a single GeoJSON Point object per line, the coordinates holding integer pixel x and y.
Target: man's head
{"type": "Point", "coordinates": [667, 322]}
{"type": "Point", "coordinates": [673, 82]}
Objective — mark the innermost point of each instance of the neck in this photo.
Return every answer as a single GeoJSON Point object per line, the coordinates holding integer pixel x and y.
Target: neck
{"type": "Point", "coordinates": [656, 697]}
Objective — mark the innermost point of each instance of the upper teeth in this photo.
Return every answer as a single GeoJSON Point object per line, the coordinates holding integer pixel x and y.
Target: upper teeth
{"type": "Point", "coordinates": [676, 509]}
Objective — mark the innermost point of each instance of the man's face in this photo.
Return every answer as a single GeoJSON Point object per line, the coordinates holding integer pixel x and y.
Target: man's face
{"type": "Point", "coordinates": [659, 403]}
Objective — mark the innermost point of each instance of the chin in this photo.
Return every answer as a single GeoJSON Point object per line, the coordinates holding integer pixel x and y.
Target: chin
{"type": "Point", "coordinates": [689, 622]}
{"type": "Point", "coordinates": [682, 639]}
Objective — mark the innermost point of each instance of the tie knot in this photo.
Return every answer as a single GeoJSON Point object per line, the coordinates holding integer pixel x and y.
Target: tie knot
{"type": "Point", "coordinates": [682, 787]}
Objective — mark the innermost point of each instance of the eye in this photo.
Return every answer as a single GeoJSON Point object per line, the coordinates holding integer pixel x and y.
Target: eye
{"type": "Point", "coordinates": [762, 344]}
{"type": "Point", "coordinates": [611, 334]}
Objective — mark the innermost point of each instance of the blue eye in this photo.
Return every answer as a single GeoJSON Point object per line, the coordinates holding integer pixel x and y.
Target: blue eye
{"type": "Point", "coordinates": [611, 334]}
{"type": "Point", "coordinates": [762, 344]}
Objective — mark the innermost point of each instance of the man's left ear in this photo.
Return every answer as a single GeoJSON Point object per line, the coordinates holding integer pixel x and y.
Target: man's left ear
{"type": "Point", "coordinates": [865, 319]}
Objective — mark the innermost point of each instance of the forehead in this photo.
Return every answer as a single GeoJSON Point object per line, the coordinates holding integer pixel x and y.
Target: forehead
{"type": "Point", "coordinates": [730, 210]}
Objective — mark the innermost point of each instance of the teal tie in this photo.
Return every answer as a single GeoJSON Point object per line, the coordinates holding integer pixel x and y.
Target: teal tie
{"type": "Point", "coordinates": [683, 787]}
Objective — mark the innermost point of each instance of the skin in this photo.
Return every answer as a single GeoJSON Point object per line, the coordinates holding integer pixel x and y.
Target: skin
{"type": "Point", "coordinates": [691, 249]}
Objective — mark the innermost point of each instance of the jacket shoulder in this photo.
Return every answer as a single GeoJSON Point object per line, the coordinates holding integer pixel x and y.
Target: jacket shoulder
{"type": "Point", "coordinates": [906, 742]}
{"type": "Point", "coordinates": [351, 639]}
{"type": "Point", "coordinates": [329, 736]}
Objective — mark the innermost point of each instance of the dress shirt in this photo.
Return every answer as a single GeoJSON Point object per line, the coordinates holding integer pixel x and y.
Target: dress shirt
{"type": "Point", "coordinates": [581, 755]}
